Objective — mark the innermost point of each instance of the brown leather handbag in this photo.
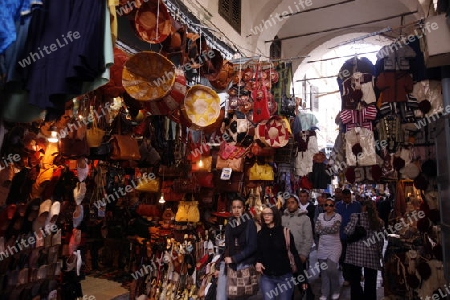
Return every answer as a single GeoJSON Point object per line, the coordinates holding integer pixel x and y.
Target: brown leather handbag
{"type": "Point", "coordinates": [124, 147]}
{"type": "Point", "coordinates": [185, 185]}
{"type": "Point", "coordinates": [73, 145]}
{"type": "Point", "coordinates": [234, 185]}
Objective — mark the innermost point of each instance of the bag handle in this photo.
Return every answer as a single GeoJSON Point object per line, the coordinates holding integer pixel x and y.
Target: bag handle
{"type": "Point", "coordinates": [287, 238]}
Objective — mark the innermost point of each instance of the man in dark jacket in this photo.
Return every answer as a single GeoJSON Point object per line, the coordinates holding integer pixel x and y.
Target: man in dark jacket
{"type": "Point", "coordinates": [307, 205]}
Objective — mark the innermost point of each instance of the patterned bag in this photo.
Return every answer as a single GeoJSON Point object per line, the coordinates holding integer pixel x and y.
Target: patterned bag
{"type": "Point", "coordinates": [242, 283]}
{"type": "Point", "coordinates": [288, 247]}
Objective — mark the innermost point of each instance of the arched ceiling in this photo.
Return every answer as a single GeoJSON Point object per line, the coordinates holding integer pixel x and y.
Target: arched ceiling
{"type": "Point", "coordinates": [325, 20]}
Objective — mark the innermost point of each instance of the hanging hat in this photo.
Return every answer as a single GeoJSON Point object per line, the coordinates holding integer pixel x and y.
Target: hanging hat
{"type": "Point", "coordinates": [176, 40]}
{"type": "Point", "coordinates": [201, 106]}
{"type": "Point", "coordinates": [429, 168]}
{"type": "Point", "coordinates": [148, 76]}
{"type": "Point", "coordinates": [153, 22]}
{"type": "Point", "coordinates": [212, 63]}
{"type": "Point", "coordinates": [274, 132]}
{"type": "Point", "coordinates": [223, 77]}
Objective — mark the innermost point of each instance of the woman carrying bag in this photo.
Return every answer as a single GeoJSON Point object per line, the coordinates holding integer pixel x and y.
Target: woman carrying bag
{"type": "Point", "coordinates": [239, 256]}
{"type": "Point", "coordinates": [273, 259]}
{"type": "Point", "coordinates": [364, 253]}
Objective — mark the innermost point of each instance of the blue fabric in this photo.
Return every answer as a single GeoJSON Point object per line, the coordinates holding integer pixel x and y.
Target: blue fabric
{"type": "Point", "coordinates": [345, 210]}
{"type": "Point", "coordinates": [222, 283]}
{"type": "Point", "coordinates": [277, 287]}
{"type": "Point", "coordinates": [9, 14]}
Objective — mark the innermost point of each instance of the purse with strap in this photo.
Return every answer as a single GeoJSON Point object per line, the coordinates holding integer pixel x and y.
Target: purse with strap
{"type": "Point", "coordinates": [124, 147]}
{"type": "Point", "coordinates": [188, 212]}
{"type": "Point", "coordinates": [261, 172]}
{"type": "Point", "coordinates": [287, 237]}
{"type": "Point", "coordinates": [358, 234]}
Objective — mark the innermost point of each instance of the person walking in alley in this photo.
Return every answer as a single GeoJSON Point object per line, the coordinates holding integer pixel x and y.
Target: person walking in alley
{"type": "Point", "coordinates": [360, 255]}
{"type": "Point", "coordinates": [328, 226]}
{"type": "Point", "coordinates": [272, 260]}
{"type": "Point", "coordinates": [300, 226]}
{"type": "Point", "coordinates": [345, 208]}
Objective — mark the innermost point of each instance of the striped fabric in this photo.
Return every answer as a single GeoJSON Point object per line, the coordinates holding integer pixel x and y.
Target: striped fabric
{"type": "Point", "coordinates": [359, 118]}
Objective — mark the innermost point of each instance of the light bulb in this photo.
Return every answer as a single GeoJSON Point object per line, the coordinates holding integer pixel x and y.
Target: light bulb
{"type": "Point", "coordinates": [161, 200]}
{"type": "Point", "coordinates": [53, 136]}
{"type": "Point", "coordinates": [200, 163]}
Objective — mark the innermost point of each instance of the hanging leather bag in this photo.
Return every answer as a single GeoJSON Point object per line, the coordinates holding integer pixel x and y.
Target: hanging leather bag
{"type": "Point", "coordinates": [124, 147]}
{"type": "Point", "coordinates": [188, 212]}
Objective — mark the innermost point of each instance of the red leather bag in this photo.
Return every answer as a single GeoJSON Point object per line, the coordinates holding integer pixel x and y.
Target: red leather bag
{"type": "Point", "coordinates": [257, 150]}
{"type": "Point", "coordinates": [205, 179]}
{"type": "Point", "coordinates": [169, 194]}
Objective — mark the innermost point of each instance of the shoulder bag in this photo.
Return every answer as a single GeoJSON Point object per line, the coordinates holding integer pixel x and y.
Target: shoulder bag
{"type": "Point", "coordinates": [288, 247]}
{"type": "Point", "coordinates": [358, 234]}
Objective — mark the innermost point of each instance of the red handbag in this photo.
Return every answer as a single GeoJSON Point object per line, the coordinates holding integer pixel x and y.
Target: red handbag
{"type": "Point", "coordinates": [197, 150]}
{"type": "Point", "coordinates": [205, 179]}
{"type": "Point", "coordinates": [257, 150]}
{"type": "Point", "coordinates": [148, 210]}
{"type": "Point", "coordinates": [260, 101]}
{"type": "Point", "coordinates": [169, 194]}
{"type": "Point", "coordinates": [185, 185]}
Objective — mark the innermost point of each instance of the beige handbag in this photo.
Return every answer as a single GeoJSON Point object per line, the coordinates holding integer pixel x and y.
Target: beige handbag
{"type": "Point", "coordinates": [94, 135]}
{"type": "Point", "coordinates": [236, 164]}
{"type": "Point", "coordinates": [188, 212]}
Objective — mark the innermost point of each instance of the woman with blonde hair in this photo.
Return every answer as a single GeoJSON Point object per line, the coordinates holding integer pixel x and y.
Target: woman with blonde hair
{"type": "Point", "coordinates": [365, 253]}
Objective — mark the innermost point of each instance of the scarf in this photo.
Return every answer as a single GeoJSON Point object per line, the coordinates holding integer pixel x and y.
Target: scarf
{"type": "Point", "coordinates": [237, 240]}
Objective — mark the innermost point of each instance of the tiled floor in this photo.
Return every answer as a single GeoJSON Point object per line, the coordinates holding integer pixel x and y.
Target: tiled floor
{"type": "Point", "coordinates": [103, 289]}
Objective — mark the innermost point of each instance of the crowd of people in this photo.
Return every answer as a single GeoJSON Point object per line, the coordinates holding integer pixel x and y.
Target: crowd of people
{"type": "Point", "coordinates": [278, 246]}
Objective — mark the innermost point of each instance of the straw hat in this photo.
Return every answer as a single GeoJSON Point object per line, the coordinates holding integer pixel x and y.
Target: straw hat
{"type": "Point", "coordinates": [223, 77]}
{"type": "Point", "coordinates": [274, 132]}
{"type": "Point", "coordinates": [152, 22]}
{"type": "Point", "coordinates": [201, 106]}
{"type": "Point", "coordinates": [148, 76]}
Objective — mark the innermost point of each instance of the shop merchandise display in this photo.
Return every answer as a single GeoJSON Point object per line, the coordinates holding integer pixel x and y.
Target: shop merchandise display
{"type": "Point", "coordinates": [126, 162]}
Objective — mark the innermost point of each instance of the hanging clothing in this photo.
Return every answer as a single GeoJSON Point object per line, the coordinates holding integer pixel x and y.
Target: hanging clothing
{"type": "Point", "coordinates": [394, 86]}
{"type": "Point", "coordinates": [53, 78]}
{"type": "Point", "coordinates": [359, 118]}
{"type": "Point", "coordinates": [366, 140]}
{"type": "Point", "coordinates": [305, 121]}
{"type": "Point", "coordinates": [357, 88]}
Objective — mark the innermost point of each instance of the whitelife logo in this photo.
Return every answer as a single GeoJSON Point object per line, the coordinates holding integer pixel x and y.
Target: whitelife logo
{"type": "Point", "coordinates": [278, 17]}
{"type": "Point", "coordinates": [34, 56]}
